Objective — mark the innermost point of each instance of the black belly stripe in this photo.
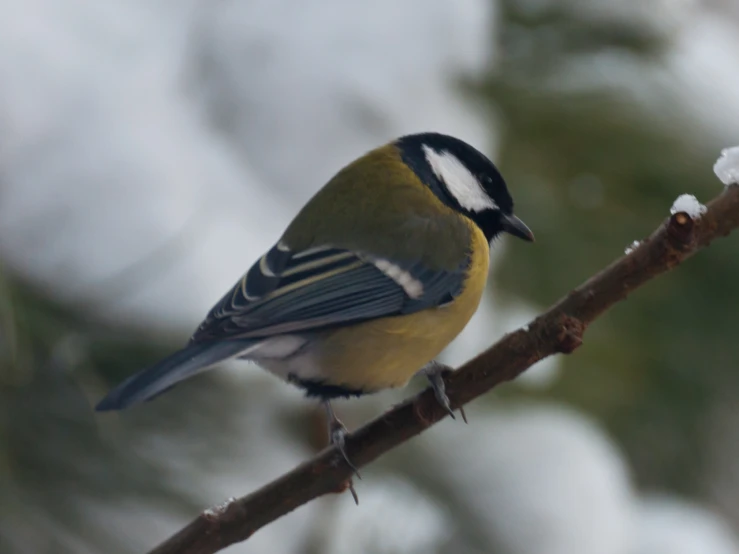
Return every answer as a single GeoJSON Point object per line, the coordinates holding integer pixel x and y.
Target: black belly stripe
{"type": "Point", "coordinates": [318, 388]}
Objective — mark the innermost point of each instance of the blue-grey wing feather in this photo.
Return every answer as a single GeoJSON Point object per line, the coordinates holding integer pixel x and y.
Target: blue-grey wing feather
{"type": "Point", "coordinates": [287, 292]}
{"type": "Point", "coordinates": [162, 376]}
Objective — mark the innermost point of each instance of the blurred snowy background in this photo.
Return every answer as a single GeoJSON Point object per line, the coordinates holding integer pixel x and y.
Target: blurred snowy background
{"type": "Point", "coordinates": [150, 150]}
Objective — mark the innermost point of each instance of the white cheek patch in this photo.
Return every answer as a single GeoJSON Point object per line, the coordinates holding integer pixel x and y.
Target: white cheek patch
{"type": "Point", "coordinates": [412, 286]}
{"type": "Point", "coordinates": [458, 180]}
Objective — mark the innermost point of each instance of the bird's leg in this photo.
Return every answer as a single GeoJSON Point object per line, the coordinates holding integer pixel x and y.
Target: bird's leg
{"type": "Point", "coordinates": [336, 435]}
{"type": "Point", "coordinates": [435, 372]}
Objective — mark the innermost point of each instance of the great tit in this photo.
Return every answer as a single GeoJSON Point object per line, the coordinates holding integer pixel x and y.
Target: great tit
{"type": "Point", "coordinates": [374, 277]}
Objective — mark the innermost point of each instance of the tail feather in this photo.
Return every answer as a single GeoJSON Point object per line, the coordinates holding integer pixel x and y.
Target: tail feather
{"type": "Point", "coordinates": [184, 363]}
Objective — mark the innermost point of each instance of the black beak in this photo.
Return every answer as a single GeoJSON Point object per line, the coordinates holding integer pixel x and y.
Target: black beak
{"type": "Point", "coordinates": [514, 226]}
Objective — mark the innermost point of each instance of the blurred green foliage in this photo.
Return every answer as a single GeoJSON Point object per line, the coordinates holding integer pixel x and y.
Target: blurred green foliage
{"type": "Point", "coordinates": [593, 172]}
{"type": "Point", "coordinates": [55, 461]}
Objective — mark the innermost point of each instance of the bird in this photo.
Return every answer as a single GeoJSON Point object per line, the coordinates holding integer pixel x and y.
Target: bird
{"type": "Point", "coordinates": [378, 272]}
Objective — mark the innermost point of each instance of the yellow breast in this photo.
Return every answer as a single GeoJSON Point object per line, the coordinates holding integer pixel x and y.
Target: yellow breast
{"type": "Point", "coordinates": [387, 352]}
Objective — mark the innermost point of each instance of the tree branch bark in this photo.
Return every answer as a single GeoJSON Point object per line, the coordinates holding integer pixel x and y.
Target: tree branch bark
{"type": "Point", "coordinates": [558, 330]}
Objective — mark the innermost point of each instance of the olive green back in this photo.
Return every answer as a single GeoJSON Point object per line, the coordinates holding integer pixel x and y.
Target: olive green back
{"type": "Point", "coordinates": [378, 205]}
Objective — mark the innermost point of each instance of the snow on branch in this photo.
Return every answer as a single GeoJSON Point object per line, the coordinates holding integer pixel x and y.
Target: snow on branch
{"type": "Point", "coordinates": [688, 204]}
{"type": "Point", "coordinates": [727, 166]}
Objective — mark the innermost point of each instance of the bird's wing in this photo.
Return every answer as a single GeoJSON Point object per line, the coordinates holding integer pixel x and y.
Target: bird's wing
{"type": "Point", "coordinates": [315, 289]}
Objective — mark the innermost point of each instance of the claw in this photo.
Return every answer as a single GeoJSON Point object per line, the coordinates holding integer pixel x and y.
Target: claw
{"type": "Point", "coordinates": [437, 383]}
{"type": "Point", "coordinates": [353, 492]}
{"type": "Point", "coordinates": [464, 415]}
{"type": "Point", "coordinates": [434, 372]}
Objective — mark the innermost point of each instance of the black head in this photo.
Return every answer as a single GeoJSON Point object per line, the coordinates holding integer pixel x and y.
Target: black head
{"type": "Point", "coordinates": [464, 179]}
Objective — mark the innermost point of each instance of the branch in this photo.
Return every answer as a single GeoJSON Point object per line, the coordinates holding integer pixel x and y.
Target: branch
{"type": "Point", "coordinates": [558, 330]}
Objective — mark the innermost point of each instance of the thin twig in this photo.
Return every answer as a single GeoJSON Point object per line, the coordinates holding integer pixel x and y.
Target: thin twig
{"type": "Point", "coordinates": [558, 330]}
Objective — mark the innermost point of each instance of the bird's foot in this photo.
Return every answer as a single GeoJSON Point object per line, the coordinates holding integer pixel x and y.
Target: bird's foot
{"type": "Point", "coordinates": [337, 436]}
{"type": "Point", "coordinates": [337, 433]}
{"type": "Point", "coordinates": [435, 372]}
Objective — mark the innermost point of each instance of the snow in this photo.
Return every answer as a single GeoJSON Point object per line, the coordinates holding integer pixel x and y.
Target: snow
{"type": "Point", "coordinates": [687, 203]}
{"type": "Point", "coordinates": [393, 516]}
{"type": "Point", "coordinates": [542, 479]}
{"type": "Point", "coordinates": [666, 524]}
{"type": "Point", "coordinates": [726, 167]}
{"type": "Point", "coordinates": [633, 246]}
{"type": "Point", "coordinates": [218, 509]}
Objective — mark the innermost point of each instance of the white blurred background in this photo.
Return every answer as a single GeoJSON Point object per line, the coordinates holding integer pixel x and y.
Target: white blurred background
{"type": "Point", "coordinates": [150, 151]}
